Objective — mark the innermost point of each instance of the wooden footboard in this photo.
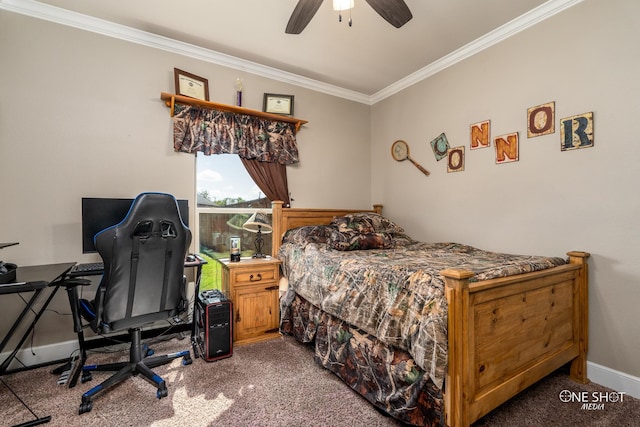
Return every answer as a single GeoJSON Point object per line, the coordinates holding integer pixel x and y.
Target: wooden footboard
{"type": "Point", "coordinates": [505, 334]}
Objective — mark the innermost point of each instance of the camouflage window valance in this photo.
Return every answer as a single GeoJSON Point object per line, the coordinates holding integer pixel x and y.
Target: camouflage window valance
{"type": "Point", "coordinates": [219, 132]}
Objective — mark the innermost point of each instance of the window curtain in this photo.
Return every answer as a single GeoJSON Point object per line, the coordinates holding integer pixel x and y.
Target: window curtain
{"type": "Point", "coordinates": [219, 132]}
{"type": "Point", "coordinates": [271, 178]}
{"type": "Point", "coordinates": [264, 146]}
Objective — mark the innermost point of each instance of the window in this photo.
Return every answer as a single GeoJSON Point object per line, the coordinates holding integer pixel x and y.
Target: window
{"type": "Point", "coordinates": [226, 197]}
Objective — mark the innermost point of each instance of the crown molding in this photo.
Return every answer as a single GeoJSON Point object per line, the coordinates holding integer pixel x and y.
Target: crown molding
{"type": "Point", "coordinates": [88, 23]}
{"type": "Point", "coordinates": [110, 29]}
{"type": "Point", "coordinates": [521, 23]}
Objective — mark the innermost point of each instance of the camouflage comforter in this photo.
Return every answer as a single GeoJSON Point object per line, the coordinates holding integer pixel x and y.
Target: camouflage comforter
{"type": "Point", "coordinates": [396, 295]}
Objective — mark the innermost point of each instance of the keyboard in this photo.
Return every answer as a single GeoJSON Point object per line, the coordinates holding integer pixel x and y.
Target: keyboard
{"type": "Point", "coordinates": [97, 268]}
{"type": "Point", "coordinates": [87, 269]}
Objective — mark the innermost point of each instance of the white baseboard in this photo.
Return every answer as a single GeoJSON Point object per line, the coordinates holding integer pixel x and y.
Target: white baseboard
{"type": "Point", "coordinates": [33, 356]}
{"type": "Point", "coordinates": [41, 355]}
{"type": "Point", "coordinates": [615, 380]}
{"type": "Point", "coordinates": [46, 354]}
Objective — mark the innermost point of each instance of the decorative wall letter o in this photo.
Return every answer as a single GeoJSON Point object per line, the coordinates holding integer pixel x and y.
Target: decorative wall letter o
{"type": "Point", "coordinates": [541, 120]}
{"type": "Point", "coordinates": [456, 160]}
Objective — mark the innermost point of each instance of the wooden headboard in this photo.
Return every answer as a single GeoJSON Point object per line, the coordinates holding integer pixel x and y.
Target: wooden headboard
{"type": "Point", "coordinates": [284, 219]}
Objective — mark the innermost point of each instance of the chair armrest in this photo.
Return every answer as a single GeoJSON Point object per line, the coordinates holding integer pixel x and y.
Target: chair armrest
{"type": "Point", "coordinates": [75, 282]}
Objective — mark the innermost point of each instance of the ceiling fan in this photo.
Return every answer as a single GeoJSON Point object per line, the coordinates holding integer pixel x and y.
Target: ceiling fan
{"type": "Point", "coordinates": [395, 12]}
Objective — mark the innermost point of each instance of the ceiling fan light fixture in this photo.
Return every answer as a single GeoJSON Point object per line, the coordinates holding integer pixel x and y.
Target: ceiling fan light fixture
{"type": "Point", "coordinates": [395, 12]}
{"type": "Point", "coordinates": [343, 4]}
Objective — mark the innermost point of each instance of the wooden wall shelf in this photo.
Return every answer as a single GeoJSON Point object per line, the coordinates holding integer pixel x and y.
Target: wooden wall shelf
{"type": "Point", "coordinates": [171, 99]}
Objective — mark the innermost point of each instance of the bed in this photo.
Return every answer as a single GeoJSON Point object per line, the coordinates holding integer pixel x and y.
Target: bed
{"type": "Point", "coordinates": [502, 331]}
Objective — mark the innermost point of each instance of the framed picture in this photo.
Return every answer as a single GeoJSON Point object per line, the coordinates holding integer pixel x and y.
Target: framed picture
{"type": "Point", "coordinates": [278, 104]}
{"type": "Point", "coordinates": [190, 85]}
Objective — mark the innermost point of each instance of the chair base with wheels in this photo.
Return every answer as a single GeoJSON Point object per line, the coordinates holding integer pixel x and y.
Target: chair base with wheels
{"type": "Point", "coordinates": [137, 365]}
{"type": "Point", "coordinates": [139, 362]}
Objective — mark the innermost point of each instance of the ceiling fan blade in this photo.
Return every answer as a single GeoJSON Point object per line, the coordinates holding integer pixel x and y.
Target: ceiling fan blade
{"type": "Point", "coordinates": [395, 12]}
{"type": "Point", "coordinates": [301, 15]}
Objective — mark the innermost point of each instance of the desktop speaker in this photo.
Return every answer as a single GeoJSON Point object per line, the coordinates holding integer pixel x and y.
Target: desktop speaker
{"type": "Point", "coordinates": [7, 272]}
{"type": "Point", "coordinates": [216, 334]}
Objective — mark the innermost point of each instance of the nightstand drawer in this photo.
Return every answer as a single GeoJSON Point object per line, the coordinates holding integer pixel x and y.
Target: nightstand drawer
{"type": "Point", "coordinates": [254, 275]}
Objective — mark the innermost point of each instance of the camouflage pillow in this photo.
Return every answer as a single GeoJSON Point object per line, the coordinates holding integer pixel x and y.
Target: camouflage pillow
{"type": "Point", "coordinates": [307, 234]}
{"type": "Point", "coordinates": [401, 239]}
{"type": "Point", "coordinates": [354, 241]}
{"type": "Point", "coordinates": [366, 222]}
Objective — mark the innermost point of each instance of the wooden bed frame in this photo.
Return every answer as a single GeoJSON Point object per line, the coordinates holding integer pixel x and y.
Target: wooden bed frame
{"type": "Point", "coordinates": [504, 334]}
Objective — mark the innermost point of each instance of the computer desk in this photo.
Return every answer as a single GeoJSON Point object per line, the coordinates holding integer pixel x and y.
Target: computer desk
{"type": "Point", "coordinates": [35, 279]}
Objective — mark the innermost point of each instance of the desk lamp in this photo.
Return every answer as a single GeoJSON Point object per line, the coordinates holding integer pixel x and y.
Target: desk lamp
{"type": "Point", "coordinates": [258, 223]}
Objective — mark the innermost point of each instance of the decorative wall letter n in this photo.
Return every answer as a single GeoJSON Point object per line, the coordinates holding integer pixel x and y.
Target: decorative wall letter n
{"type": "Point", "coordinates": [480, 135]}
{"type": "Point", "coordinates": [507, 148]}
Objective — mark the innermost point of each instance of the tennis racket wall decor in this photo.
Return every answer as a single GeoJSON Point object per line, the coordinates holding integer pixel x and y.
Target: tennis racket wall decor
{"type": "Point", "coordinates": [400, 152]}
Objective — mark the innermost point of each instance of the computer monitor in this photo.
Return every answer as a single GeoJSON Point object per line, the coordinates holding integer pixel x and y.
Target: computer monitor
{"type": "Point", "coordinates": [99, 213]}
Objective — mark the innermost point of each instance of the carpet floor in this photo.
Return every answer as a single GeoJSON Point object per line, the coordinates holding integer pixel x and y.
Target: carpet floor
{"type": "Point", "coordinates": [272, 383]}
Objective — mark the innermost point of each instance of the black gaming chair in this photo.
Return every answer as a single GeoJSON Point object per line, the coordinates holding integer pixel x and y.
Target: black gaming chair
{"type": "Point", "coordinates": [143, 282]}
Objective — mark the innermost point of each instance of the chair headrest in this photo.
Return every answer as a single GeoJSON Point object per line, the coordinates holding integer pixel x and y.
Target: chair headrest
{"type": "Point", "coordinates": [152, 213]}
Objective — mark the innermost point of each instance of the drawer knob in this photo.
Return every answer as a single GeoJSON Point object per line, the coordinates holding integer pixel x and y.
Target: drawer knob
{"type": "Point", "coordinates": [256, 278]}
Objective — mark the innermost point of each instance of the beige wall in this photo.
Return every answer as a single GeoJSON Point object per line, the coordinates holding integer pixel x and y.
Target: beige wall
{"type": "Point", "coordinates": [81, 115]}
{"type": "Point", "coordinates": [585, 59]}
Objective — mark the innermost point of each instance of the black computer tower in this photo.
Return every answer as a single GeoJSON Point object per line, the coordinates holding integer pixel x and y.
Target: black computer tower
{"type": "Point", "coordinates": [214, 328]}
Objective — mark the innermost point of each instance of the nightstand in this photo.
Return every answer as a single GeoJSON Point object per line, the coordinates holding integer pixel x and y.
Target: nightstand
{"type": "Point", "coordinates": [253, 289]}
